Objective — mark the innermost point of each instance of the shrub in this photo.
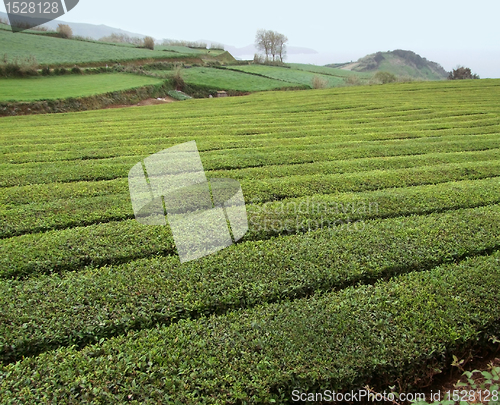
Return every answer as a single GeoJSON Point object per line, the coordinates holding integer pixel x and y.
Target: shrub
{"type": "Point", "coordinates": [384, 77]}
{"type": "Point", "coordinates": [352, 80]}
{"type": "Point", "coordinates": [122, 39]}
{"type": "Point", "coordinates": [319, 82]}
{"type": "Point", "coordinates": [177, 79]}
{"type": "Point", "coordinates": [189, 44]}
{"type": "Point", "coordinates": [462, 73]}
{"type": "Point", "coordinates": [258, 59]}
{"type": "Point", "coordinates": [76, 70]}
{"type": "Point", "coordinates": [60, 71]}
{"type": "Point", "coordinates": [19, 67]}
{"type": "Point", "coordinates": [149, 43]}
{"type": "Point", "coordinates": [64, 31]}
{"type": "Point", "coordinates": [217, 46]}
{"type": "Point", "coordinates": [46, 71]}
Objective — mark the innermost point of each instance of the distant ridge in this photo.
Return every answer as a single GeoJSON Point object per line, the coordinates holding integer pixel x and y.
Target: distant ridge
{"type": "Point", "coordinates": [398, 62]}
{"type": "Point", "coordinates": [86, 30]}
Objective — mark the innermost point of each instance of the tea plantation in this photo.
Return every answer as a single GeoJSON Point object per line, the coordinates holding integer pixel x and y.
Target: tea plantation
{"type": "Point", "coordinates": [372, 256]}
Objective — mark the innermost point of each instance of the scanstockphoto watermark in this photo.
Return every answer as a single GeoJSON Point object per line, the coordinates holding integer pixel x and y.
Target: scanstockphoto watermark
{"type": "Point", "coordinates": [355, 396]}
{"type": "Point", "coordinates": [24, 15]}
{"type": "Point", "coordinates": [310, 214]}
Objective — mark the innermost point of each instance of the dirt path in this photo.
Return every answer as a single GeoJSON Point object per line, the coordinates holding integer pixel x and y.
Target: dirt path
{"type": "Point", "coordinates": [149, 101]}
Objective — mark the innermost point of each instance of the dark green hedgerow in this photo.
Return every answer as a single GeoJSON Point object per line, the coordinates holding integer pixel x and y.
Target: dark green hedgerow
{"type": "Point", "coordinates": [44, 313]}
{"type": "Point", "coordinates": [402, 330]}
{"type": "Point", "coordinates": [241, 157]}
{"type": "Point", "coordinates": [116, 242]}
{"type": "Point", "coordinates": [113, 168]}
{"type": "Point", "coordinates": [28, 218]}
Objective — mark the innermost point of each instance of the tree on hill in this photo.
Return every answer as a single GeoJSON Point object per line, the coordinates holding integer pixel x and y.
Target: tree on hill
{"type": "Point", "coordinates": [64, 31]}
{"type": "Point", "coordinates": [149, 43]}
{"type": "Point", "coordinates": [272, 43]}
{"type": "Point", "coordinates": [461, 73]}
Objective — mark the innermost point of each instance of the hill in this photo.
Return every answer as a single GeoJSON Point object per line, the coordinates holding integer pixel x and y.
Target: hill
{"type": "Point", "coordinates": [57, 51]}
{"type": "Point", "coordinates": [398, 62]}
{"type": "Point", "coordinates": [86, 30]}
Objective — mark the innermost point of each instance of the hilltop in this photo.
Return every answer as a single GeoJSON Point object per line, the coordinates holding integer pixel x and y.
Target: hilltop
{"type": "Point", "coordinates": [86, 30]}
{"type": "Point", "coordinates": [398, 62]}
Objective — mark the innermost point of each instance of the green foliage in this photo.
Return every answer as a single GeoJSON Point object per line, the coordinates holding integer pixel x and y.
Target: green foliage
{"type": "Point", "coordinates": [289, 267]}
{"type": "Point", "coordinates": [291, 76]}
{"type": "Point", "coordinates": [18, 67]}
{"type": "Point", "coordinates": [400, 63]}
{"type": "Point", "coordinates": [65, 31]}
{"type": "Point", "coordinates": [474, 386]}
{"type": "Point", "coordinates": [311, 309]}
{"type": "Point", "coordinates": [149, 43]}
{"type": "Point", "coordinates": [319, 82]}
{"type": "Point", "coordinates": [47, 88]}
{"type": "Point", "coordinates": [56, 51]}
{"type": "Point", "coordinates": [261, 355]}
{"type": "Point", "coordinates": [225, 79]}
{"type": "Point", "coordinates": [384, 77]}
{"type": "Point", "coordinates": [178, 95]}
{"type": "Point", "coordinates": [462, 73]}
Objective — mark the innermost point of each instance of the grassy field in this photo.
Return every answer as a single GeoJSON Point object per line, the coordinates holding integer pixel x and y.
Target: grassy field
{"type": "Point", "coordinates": [290, 75]}
{"type": "Point", "coordinates": [325, 70]}
{"type": "Point", "coordinates": [225, 79]}
{"type": "Point", "coordinates": [60, 87]}
{"type": "Point", "coordinates": [57, 51]}
{"type": "Point", "coordinates": [372, 255]}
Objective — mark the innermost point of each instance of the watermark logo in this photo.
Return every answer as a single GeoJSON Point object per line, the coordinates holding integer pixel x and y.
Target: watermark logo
{"type": "Point", "coordinates": [24, 15]}
{"type": "Point", "coordinates": [204, 216]}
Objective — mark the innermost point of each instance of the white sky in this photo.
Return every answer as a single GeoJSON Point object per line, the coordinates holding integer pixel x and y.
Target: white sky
{"type": "Point", "coordinates": [450, 32]}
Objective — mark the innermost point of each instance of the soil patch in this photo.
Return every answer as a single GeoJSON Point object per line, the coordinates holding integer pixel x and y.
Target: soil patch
{"type": "Point", "coordinates": [148, 101]}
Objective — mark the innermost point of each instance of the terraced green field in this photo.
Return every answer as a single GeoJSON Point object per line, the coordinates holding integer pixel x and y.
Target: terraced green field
{"type": "Point", "coordinates": [57, 51]}
{"type": "Point", "coordinates": [325, 70]}
{"type": "Point", "coordinates": [50, 88]}
{"type": "Point", "coordinates": [290, 75]}
{"type": "Point", "coordinates": [225, 79]}
{"type": "Point", "coordinates": [372, 254]}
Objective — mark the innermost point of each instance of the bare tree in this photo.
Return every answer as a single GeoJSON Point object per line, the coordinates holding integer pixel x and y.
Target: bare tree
{"type": "Point", "coordinates": [64, 31]}
{"type": "Point", "coordinates": [272, 43]}
{"type": "Point", "coordinates": [262, 42]}
{"type": "Point", "coordinates": [149, 43]}
{"type": "Point", "coordinates": [281, 41]}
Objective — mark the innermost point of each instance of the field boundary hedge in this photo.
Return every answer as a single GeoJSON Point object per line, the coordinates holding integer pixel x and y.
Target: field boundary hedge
{"type": "Point", "coordinates": [95, 102]}
{"type": "Point", "coordinates": [115, 300]}
{"type": "Point", "coordinates": [404, 330]}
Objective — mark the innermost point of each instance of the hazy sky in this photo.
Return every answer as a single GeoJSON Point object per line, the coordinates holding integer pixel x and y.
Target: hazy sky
{"type": "Point", "coordinates": [448, 32]}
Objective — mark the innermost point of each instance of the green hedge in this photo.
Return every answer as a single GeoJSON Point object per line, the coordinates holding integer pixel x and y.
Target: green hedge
{"type": "Point", "coordinates": [234, 157]}
{"type": "Point", "coordinates": [116, 242]}
{"type": "Point", "coordinates": [47, 312]}
{"type": "Point", "coordinates": [404, 329]}
{"type": "Point", "coordinates": [57, 214]}
{"type": "Point", "coordinates": [118, 167]}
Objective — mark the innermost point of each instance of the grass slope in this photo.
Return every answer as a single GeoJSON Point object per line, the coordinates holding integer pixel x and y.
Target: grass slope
{"type": "Point", "coordinates": [57, 51]}
{"type": "Point", "coordinates": [50, 88]}
{"type": "Point", "coordinates": [326, 70]}
{"type": "Point", "coordinates": [290, 75]}
{"type": "Point", "coordinates": [225, 79]}
{"type": "Point", "coordinates": [296, 304]}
